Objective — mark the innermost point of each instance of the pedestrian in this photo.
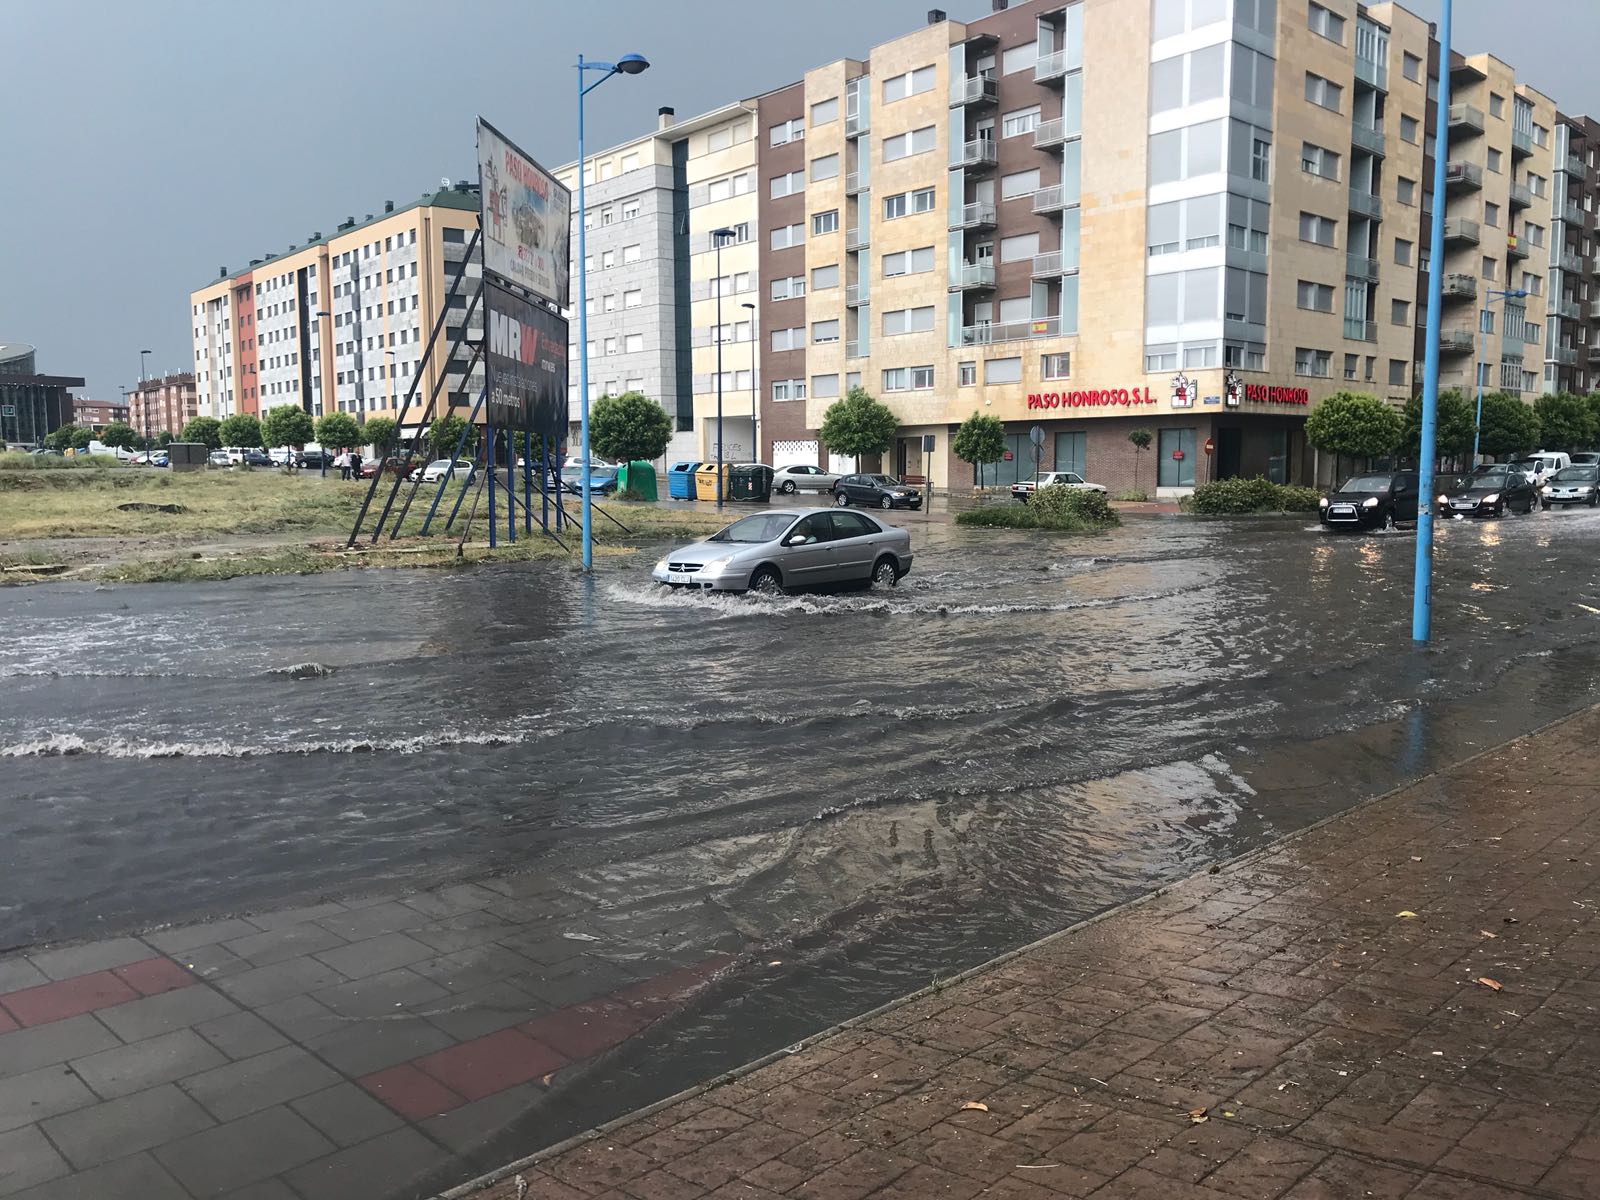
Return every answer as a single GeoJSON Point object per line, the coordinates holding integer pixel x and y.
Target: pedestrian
{"type": "Point", "coordinates": [342, 461]}
{"type": "Point", "coordinates": [355, 464]}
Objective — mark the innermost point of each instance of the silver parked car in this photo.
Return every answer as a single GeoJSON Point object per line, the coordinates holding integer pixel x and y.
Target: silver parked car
{"type": "Point", "coordinates": [784, 549]}
{"type": "Point", "coordinates": [800, 477]}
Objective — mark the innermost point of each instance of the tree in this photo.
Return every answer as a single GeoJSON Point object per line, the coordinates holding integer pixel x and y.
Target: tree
{"type": "Point", "coordinates": [629, 427]}
{"type": "Point", "coordinates": [1352, 423]}
{"type": "Point", "coordinates": [1141, 439]}
{"type": "Point", "coordinates": [858, 425]}
{"type": "Point", "coordinates": [119, 435]}
{"type": "Point", "coordinates": [338, 431]}
{"type": "Point", "coordinates": [60, 438]}
{"type": "Point", "coordinates": [203, 429]}
{"type": "Point", "coordinates": [242, 430]}
{"type": "Point", "coordinates": [445, 433]}
{"type": "Point", "coordinates": [286, 425]}
{"type": "Point", "coordinates": [378, 432]}
{"type": "Point", "coordinates": [164, 439]}
{"type": "Point", "coordinates": [1593, 401]}
{"type": "Point", "coordinates": [81, 438]}
{"type": "Point", "coordinates": [981, 439]}
{"type": "Point", "coordinates": [1509, 425]}
{"type": "Point", "coordinates": [1565, 421]}
{"type": "Point", "coordinates": [1453, 423]}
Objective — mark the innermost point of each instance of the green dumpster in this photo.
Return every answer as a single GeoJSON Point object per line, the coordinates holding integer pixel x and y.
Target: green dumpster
{"type": "Point", "coordinates": [638, 479]}
{"type": "Point", "coordinates": [750, 481]}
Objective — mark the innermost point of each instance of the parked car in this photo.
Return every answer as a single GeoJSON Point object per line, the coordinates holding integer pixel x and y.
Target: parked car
{"type": "Point", "coordinates": [46, 452]}
{"type": "Point", "coordinates": [1572, 485]}
{"type": "Point", "coordinates": [881, 491]}
{"type": "Point", "coordinates": [391, 466]}
{"type": "Point", "coordinates": [315, 459]}
{"type": "Point", "coordinates": [257, 458]}
{"type": "Point", "coordinates": [1542, 465]}
{"type": "Point", "coordinates": [602, 479]}
{"type": "Point", "coordinates": [1586, 458]}
{"type": "Point", "coordinates": [234, 453]}
{"type": "Point", "coordinates": [280, 455]}
{"type": "Point", "coordinates": [439, 467]}
{"type": "Point", "coordinates": [1024, 489]}
{"type": "Point", "coordinates": [1492, 490]}
{"type": "Point", "coordinates": [781, 550]}
{"type": "Point", "coordinates": [1377, 501]}
{"type": "Point", "coordinates": [160, 458]}
{"type": "Point", "coordinates": [802, 477]}
{"type": "Point", "coordinates": [219, 458]}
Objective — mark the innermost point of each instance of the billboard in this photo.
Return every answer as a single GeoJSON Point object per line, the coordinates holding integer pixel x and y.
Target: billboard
{"type": "Point", "coordinates": [526, 363]}
{"type": "Point", "coordinates": [525, 218]}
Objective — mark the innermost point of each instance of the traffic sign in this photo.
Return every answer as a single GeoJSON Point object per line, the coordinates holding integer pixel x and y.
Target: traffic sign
{"type": "Point", "coordinates": [1036, 435]}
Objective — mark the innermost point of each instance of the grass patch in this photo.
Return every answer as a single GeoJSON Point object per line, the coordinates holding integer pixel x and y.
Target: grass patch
{"type": "Point", "coordinates": [1057, 509]}
{"type": "Point", "coordinates": [16, 460]}
{"type": "Point", "coordinates": [1134, 496]}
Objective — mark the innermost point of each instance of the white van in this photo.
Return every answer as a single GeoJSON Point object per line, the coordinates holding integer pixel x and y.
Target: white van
{"type": "Point", "coordinates": [1544, 463]}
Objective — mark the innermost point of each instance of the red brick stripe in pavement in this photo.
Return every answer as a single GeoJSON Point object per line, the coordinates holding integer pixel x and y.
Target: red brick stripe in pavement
{"type": "Point", "coordinates": [81, 994]}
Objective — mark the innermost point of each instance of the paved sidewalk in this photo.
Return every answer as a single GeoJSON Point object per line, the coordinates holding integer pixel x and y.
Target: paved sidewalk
{"type": "Point", "coordinates": [1400, 1003]}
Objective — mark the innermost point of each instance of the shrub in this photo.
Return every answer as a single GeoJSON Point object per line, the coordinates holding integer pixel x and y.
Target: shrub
{"type": "Point", "coordinates": [18, 460]}
{"type": "Point", "coordinates": [1134, 496]}
{"type": "Point", "coordinates": [629, 493]}
{"type": "Point", "coordinates": [1298, 499]}
{"type": "Point", "coordinates": [1058, 503]}
{"type": "Point", "coordinates": [1258, 495]}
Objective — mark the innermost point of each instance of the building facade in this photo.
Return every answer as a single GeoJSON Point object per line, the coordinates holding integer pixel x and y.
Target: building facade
{"type": "Point", "coordinates": [97, 414]}
{"type": "Point", "coordinates": [1572, 343]}
{"type": "Point", "coordinates": [31, 404]}
{"type": "Point", "coordinates": [163, 404]}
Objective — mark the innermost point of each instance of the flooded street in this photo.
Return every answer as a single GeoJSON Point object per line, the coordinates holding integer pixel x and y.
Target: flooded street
{"type": "Point", "coordinates": [857, 793]}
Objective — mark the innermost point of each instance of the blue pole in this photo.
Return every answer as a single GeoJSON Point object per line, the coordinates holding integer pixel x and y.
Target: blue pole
{"type": "Point", "coordinates": [1477, 424]}
{"type": "Point", "coordinates": [583, 336]}
{"type": "Point", "coordinates": [511, 485]}
{"type": "Point", "coordinates": [490, 465]}
{"type": "Point", "coordinates": [527, 481]}
{"type": "Point", "coordinates": [1422, 583]}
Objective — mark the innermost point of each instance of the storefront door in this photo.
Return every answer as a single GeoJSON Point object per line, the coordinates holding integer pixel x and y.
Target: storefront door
{"type": "Point", "coordinates": [1070, 452]}
{"type": "Point", "coordinates": [1230, 440]}
{"type": "Point", "coordinates": [1175, 450]}
{"type": "Point", "coordinates": [1016, 466]}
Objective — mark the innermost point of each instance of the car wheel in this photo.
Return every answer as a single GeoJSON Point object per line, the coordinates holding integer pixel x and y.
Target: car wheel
{"type": "Point", "coordinates": [841, 500]}
{"type": "Point", "coordinates": [885, 502]}
{"type": "Point", "coordinates": [788, 487]}
{"type": "Point", "coordinates": [885, 573]}
{"type": "Point", "coordinates": [1545, 504]}
{"type": "Point", "coordinates": [1389, 525]}
{"type": "Point", "coordinates": [767, 582]}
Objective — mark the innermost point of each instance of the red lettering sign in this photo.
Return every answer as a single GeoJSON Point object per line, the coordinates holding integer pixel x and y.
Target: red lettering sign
{"type": "Point", "coordinates": [1008, 456]}
{"type": "Point", "coordinates": [1093, 398]}
{"type": "Point", "coordinates": [1261, 393]}
{"type": "Point", "coordinates": [1177, 456]}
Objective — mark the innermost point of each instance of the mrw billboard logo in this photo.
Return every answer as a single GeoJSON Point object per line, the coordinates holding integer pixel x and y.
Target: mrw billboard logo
{"type": "Point", "coordinates": [510, 338]}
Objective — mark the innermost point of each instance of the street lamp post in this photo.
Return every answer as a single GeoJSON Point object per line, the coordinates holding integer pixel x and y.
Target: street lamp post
{"type": "Point", "coordinates": [717, 235]}
{"type": "Point", "coordinates": [628, 64]}
{"type": "Point", "coordinates": [323, 450]}
{"type": "Point", "coordinates": [1489, 298]}
{"type": "Point", "coordinates": [755, 396]}
{"type": "Point", "coordinates": [144, 417]}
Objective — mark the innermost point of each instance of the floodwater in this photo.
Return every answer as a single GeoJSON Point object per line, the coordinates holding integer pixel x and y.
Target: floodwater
{"type": "Point", "coordinates": [867, 790]}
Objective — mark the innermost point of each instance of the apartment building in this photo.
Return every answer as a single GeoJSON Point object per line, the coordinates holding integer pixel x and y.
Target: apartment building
{"type": "Point", "coordinates": [97, 414]}
{"type": "Point", "coordinates": [1572, 341]}
{"type": "Point", "coordinates": [163, 404]}
{"type": "Point", "coordinates": [340, 322]}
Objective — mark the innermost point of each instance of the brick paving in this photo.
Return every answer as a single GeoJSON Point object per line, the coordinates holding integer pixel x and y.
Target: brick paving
{"type": "Point", "coordinates": [1400, 1003]}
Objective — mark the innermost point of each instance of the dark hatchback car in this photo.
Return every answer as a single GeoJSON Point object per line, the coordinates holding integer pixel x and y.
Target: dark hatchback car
{"type": "Point", "coordinates": [877, 491]}
{"type": "Point", "coordinates": [1375, 501]}
{"type": "Point", "coordinates": [257, 458]}
{"type": "Point", "coordinates": [1489, 491]}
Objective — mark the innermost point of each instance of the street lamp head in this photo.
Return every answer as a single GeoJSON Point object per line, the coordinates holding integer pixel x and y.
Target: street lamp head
{"type": "Point", "coordinates": [632, 64]}
{"type": "Point", "coordinates": [1519, 293]}
{"type": "Point", "coordinates": [724, 232]}
{"type": "Point", "coordinates": [748, 305]}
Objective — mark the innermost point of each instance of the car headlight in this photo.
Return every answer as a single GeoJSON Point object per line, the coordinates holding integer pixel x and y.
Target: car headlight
{"type": "Point", "coordinates": [1491, 497]}
{"type": "Point", "coordinates": [1370, 502]}
{"type": "Point", "coordinates": [716, 566]}
{"type": "Point", "coordinates": [1544, 487]}
{"type": "Point", "coordinates": [1322, 502]}
{"type": "Point", "coordinates": [1443, 499]}
{"type": "Point", "coordinates": [662, 565]}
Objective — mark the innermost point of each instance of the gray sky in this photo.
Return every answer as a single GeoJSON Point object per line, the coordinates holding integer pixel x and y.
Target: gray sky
{"type": "Point", "coordinates": [167, 138]}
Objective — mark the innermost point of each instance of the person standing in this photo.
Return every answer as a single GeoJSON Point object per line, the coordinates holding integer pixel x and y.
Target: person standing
{"type": "Point", "coordinates": [342, 461]}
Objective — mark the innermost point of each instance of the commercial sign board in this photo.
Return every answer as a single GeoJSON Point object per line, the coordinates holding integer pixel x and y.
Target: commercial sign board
{"type": "Point", "coordinates": [526, 363]}
{"type": "Point", "coordinates": [1261, 393]}
{"type": "Point", "coordinates": [525, 216]}
{"type": "Point", "coordinates": [1092, 398]}
{"type": "Point", "coordinates": [1184, 391]}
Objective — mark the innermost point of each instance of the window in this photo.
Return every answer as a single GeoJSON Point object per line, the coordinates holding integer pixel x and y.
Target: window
{"type": "Point", "coordinates": [1351, 363]}
{"type": "Point", "coordinates": [895, 206]}
{"type": "Point", "coordinates": [788, 389]}
{"type": "Point", "coordinates": [1402, 252]}
{"type": "Point", "coordinates": [1411, 67]}
{"type": "Point", "coordinates": [1002, 370]}
{"type": "Point", "coordinates": [788, 339]}
{"type": "Point", "coordinates": [826, 167]}
{"type": "Point", "coordinates": [1408, 129]}
{"type": "Point", "coordinates": [825, 222]}
{"type": "Point", "coordinates": [787, 184]}
{"type": "Point", "coordinates": [904, 145]}
{"type": "Point", "coordinates": [1497, 105]}
{"type": "Point", "coordinates": [1261, 160]}
{"type": "Point", "coordinates": [1252, 77]}
{"type": "Point", "coordinates": [1019, 247]}
{"type": "Point", "coordinates": [1490, 267]}
{"type": "Point", "coordinates": [966, 374]}
{"type": "Point", "coordinates": [1317, 230]}
{"type": "Point", "coordinates": [907, 320]}
{"type": "Point", "coordinates": [632, 298]}
{"type": "Point", "coordinates": [1533, 284]}
{"type": "Point", "coordinates": [611, 345]}
{"type": "Point", "coordinates": [633, 343]}
{"type": "Point", "coordinates": [609, 303]}
{"type": "Point", "coordinates": [908, 262]}
{"type": "Point", "coordinates": [1494, 160]}
{"type": "Point", "coordinates": [630, 254]}
{"type": "Point", "coordinates": [903, 379]}
{"type": "Point", "coordinates": [922, 200]}
{"type": "Point", "coordinates": [1491, 215]}
{"type": "Point", "coordinates": [1019, 122]}
{"type": "Point", "coordinates": [1405, 190]}
{"type": "Point", "coordinates": [1315, 363]}
{"type": "Point", "coordinates": [1019, 58]}
{"type": "Point", "coordinates": [824, 331]}
{"type": "Point", "coordinates": [1055, 366]}
{"type": "Point", "coordinates": [785, 236]}
{"type": "Point", "coordinates": [826, 277]}
{"type": "Point", "coordinates": [785, 132]}
{"type": "Point", "coordinates": [1314, 160]}
{"type": "Point", "coordinates": [898, 87]}
{"type": "Point", "coordinates": [824, 385]}
{"type": "Point", "coordinates": [1397, 372]}
{"type": "Point", "coordinates": [1187, 79]}
{"type": "Point", "coordinates": [454, 235]}
{"type": "Point", "coordinates": [1323, 92]}
{"type": "Point", "coordinates": [1019, 183]}
{"type": "Point", "coordinates": [630, 209]}
{"type": "Point", "coordinates": [608, 259]}
{"type": "Point", "coordinates": [1317, 297]}
{"type": "Point", "coordinates": [1185, 153]}
{"type": "Point", "coordinates": [790, 288]}
{"type": "Point", "coordinates": [1320, 20]}
{"type": "Point", "coordinates": [825, 111]}
{"type": "Point", "coordinates": [1400, 312]}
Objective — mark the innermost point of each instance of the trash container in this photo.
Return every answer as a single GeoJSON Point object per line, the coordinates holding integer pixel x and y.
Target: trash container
{"type": "Point", "coordinates": [705, 481]}
{"type": "Point", "coordinates": [680, 480]}
{"type": "Point", "coordinates": [750, 481]}
{"type": "Point", "coordinates": [638, 479]}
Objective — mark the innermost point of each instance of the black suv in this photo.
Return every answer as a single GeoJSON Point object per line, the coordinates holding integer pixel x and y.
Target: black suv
{"type": "Point", "coordinates": [879, 491]}
{"type": "Point", "coordinates": [1379, 500]}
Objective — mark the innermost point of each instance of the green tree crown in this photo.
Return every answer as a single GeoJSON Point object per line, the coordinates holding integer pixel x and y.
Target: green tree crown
{"type": "Point", "coordinates": [203, 429]}
{"type": "Point", "coordinates": [445, 432]}
{"type": "Point", "coordinates": [1509, 425]}
{"type": "Point", "coordinates": [1453, 423]}
{"type": "Point", "coordinates": [858, 425]}
{"type": "Point", "coordinates": [338, 431]}
{"type": "Point", "coordinates": [286, 425]}
{"type": "Point", "coordinates": [980, 439]}
{"type": "Point", "coordinates": [378, 432]}
{"type": "Point", "coordinates": [629, 427]}
{"type": "Point", "coordinates": [1565, 422]}
{"type": "Point", "coordinates": [1355, 424]}
{"type": "Point", "coordinates": [242, 430]}
{"type": "Point", "coordinates": [119, 434]}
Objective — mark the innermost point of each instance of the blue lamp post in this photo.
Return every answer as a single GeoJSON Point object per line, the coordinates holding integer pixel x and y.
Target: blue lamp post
{"type": "Point", "coordinates": [1489, 298]}
{"type": "Point", "coordinates": [628, 64]}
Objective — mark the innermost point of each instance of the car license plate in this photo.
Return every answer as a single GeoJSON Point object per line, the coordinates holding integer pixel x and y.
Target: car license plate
{"type": "Point", "coordinates": [1341, 510]}
{"type": "Point", "coordinates": [680, 577]}
{"type": "Point", "coordinates": [1463, 504]}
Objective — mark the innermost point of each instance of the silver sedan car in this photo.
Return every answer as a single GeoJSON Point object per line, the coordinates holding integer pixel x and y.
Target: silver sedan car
{"type": "Point", "coordinates": [781, 550]}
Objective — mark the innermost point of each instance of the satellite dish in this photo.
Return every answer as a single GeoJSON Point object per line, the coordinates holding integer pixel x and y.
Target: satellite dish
{"type": "Point", "coordinates": [445, 181]}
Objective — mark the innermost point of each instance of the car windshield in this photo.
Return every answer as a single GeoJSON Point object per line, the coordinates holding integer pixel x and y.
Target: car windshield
{"type": "Point", "coordinates": [1585, 474]}
{"type": "Point", "coordinates": [1488, 476]}
{"type": "Point", "coordinates": [884, 480]}
{"type": "Point", "coordinates": [763, 527]}
{"type": "Point", "coordinates": [1366, 483]}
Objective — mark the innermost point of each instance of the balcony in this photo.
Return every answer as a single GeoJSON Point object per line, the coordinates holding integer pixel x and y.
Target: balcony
{"type": "Point", "coordinates": [1516, 247]}
{"type": "Point", "coordinates": [1457, 341]}
{"type": "Point", "coordinates": [981, 88]}
{"type": "Point", "coordinates": [973, 216]}
{"type": "Point", "coordinates": [857, 239]}
{"type": "Point", "coordinates": [1461, 230]}
{"type": "Point", "coordinates": [1564, 308]}
{"type": "Point", "coordinates": [1521, 196]}
{"type": "Point", "coordinates": [1575, 168]}
{"type": "Point", "coordinates": [1594, 310]}
{"type": "Point", "coordinates": [1459, 286]}
{"type": "Point", "coordinates": [855, 182]}
{"type": "Point", "coordinates": [1010, 331]}
{"type": "Point", "coordinates": [1050, 199]}
{"type": "Point", "coordinates": [1366, 204]}
{"type": "Point", "coordinates": [1357, 330]}
{"type": "Point", "coordinates": [856, 349]}
{"type": "Point", "coordinates": [1372, 73]}
{"type": "Point", "coordinates": [857, 123]}
{"type": "Point", "coordinates": [980, 152]}
{"type": "Point", "coordinates": [1570, 213]}
{"type": "Point", "coordinates": [1463, 176]}
{"type": "Point", "coordinates": [855, 294]}
{"type": "Point", "coordinates": [1466, 120]}
{"type": "Point", "coordinates": [971, 276]}
{"type": "Point", "coordinates": [1368, 138]}
{"type": "Point", "coordinates": [1566, 260]}
{"type": "Point", "coordinates": [1359, 266]}
{"type": "Point", "coordinates": [1565, 355]}
{"type": "Point", "coordinates": [1049, 265]}
{"type": "Point", "coordinates": [1521, 142]}
{"type": "Point", "coordinates": [1051, 134]}
{"type": "Point", "coordinates": [1050, 67]}
{"type": "Point", "coordinates": [1594, 355]}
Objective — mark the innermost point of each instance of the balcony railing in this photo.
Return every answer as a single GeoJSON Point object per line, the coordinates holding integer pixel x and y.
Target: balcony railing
{"type": "Point", "coordinates": [1565, 355]}
{"type": "Point", "coordinates": [973, 216]}
{"type": "Point", "coordinates": [1373, 73]}
{"type": "Point", "coordinates": [1570, 213]}
{"type": "Point", "coordinates": [1459, 286]}
{"type": "Point", "coordinates": [856, 182]}
{"type": "Point", "coordinates": [980, 152]}
{"type": "Point", "coordinates": [1594, 310]}
{"type": "Point", "coordinates": [1566, 260]}
{"type": "Point", "coordinates": [1521, 196]}
{"type": "Point", "coordinates": [1457, 341]}
{"type": "Point", "coordinates": [1368, 138]}
{"type": "Point", "coordinates": [1575, 167]}
{"type": "Point", "coordinates": [1594, 355]}
{"type": "Point", "coordinates": [1050, 199]}
{"type": "Point", "coordinates": [1050, 67]}
{"type": "Point", "coordinates": [1465, 119]}
{"type": "Point", "coordinates": [855, 294]}
{"type": "Point", "coordinates": [981, 88]}
{"type": "Point", "coordinates": [972, 275]}
{"type": "Point", "coordinates": [1048, 265]}
{"type": "Point", "coordinates": [1050, 134]}
{"type": "Point", "coordinates": [1463, 176]}
{"type": "Point", "coordinates": [1521, 142]}
{"type": "Point", "coordinates": [1010, 331]}
{"type": "Point", "coordinates": [856, 348]}
{"type": "Point", "coordinates": [1366, 204]}
{"type": "Point", "coordinates": [1461, 229]}
{"type": "Point", "coordinates": [1359, 266]}
{"type": "Point", "coordinates": [857, 123]}
{"type": "Point", "coordinates": [856, 239]}
{"type": "Point", "coordinates": [1516, 247]}
{"type": "Point", "coordinates": [1565, 308]}
{"type": "Point", "coordinates": [1358, 330]}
